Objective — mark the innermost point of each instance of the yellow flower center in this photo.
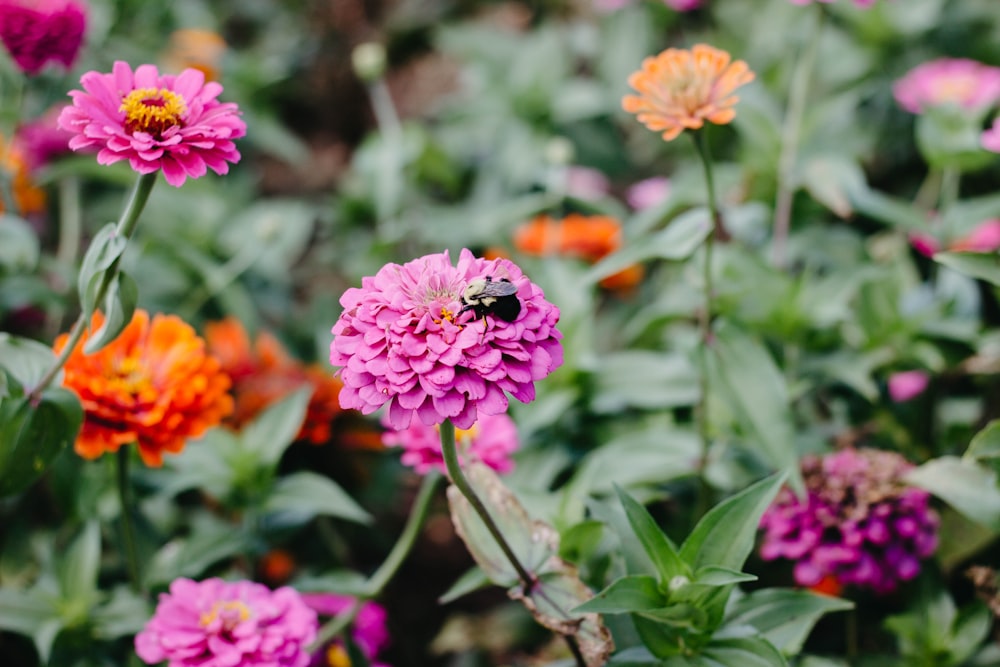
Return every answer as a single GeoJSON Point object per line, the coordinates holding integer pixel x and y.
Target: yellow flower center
{"type": "Point", "coordinates": [130, 376]}
{"type": "Point", "coordinates": [467, 435]}
{"type": "Point", "coordinates": [336, 656]}
{"type": "Point", "coordinates": [445, 315]}
{"type": "Point", "coordinates": [152, 110]}
{"type": "Point", "coordinates": [232, 613]}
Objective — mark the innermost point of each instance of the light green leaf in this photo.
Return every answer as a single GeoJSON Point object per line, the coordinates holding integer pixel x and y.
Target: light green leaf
{"type": "Point", "coordinates": [26, 359]}
{"type": "Point", "coordinates": [831, 180]}
{"type": "Point", "coordinates": [784, 617]}
{"type": "Point", "coordinates": [626, 595]}
{"type": "Point", "coordinates": [123, 615]}
{"type": "Point", "coordinates": [965, 485]}
{"type": "Point", "coordinates": [725, 535]}
{"type": "Point", "coordinates": [743, 651]}
{"type": "Point", "coordinates": [643, 379]}
{"type": "Point", "coordinates": [473, 579]}
{"type": "Point", "coordinates": [19, 248]}
{"type": "Point", "coordinates": [712, 575]}
{"type": "Point", "coordinates": [119, 306]}
{"type": "Point", "coordinates": [78, 567]}
{"type": "Point", "coordinates": [986, 443]}
{"type": "Point", "coordinates": [270, 434]}
{"type": "Point", "coordinates": [661, 551]}
{"type": "Point", "coordinates": [985, 266]}
{"type": "Point", "coordinates": [105, 249]}
{"type": "Point", "coordinates": [31, 437]}
{"type": "Point", "coordinates": [310, 494]}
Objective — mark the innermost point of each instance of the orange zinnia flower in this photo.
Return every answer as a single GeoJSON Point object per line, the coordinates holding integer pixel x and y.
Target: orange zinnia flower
{"type": "Point", "coordinates": [587, 237]}
{"type": "Point", "coordinates": [681, 89]}
{"type": "Point", "coordinates": [195, 48]}
{"type": "Point", "coordinates": [265, 373]}
{"type": "Point", "coordinates": [155, 386]}
{"type": "Point", "coordinates": [28, 197]}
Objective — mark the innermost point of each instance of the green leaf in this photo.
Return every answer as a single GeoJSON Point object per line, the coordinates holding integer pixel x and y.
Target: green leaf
{"type": "Point", "coordinates": [744, 652]}
{"type": "Point", "coordinates": [119, 306]}
{"type": "Point", "coordinates": [725, 535]}
{"type": "Point", "coordinates": [678, 240]}
{"type": "Point", "coordinates": [712, 575]}
{"type": "Point", "coordinates": [123, 615]}
{"type": "Point", "coordinates": [754, 388]}
{"type": "Point", "coordinates": [19, 248]}
{"type": "Point", "coordinates": [985, 266]}
{"type": "Point", "coordinates": [965, 485]}
{"type": "Point", "coordinates": [270, 434]}
{"type": "Point", "coordinates": [26, 359]}
{"type": "Point", "coordinates": [986, 443]}
{"type": "Point", "coordinates": [474, 579]}
{"type": "Point", "coordinates": [643, 379]}
{"type": "Point", "coordinates": [79, 566]}
{"type": "Point", "coordinates": [784, 617]}
{"type": "Point", "coordinates": [968, 631]}
{"type": "Point", "coordinates": [832, 179]}
{"type": "Point", "coordinates": [657, 545]}
{"type": "Point", "coordinates": [629, 594]}
{"type": "Point", "coordinates": [311, 494]}
{"type": "Point", "coordinates": [105, 249]}
{"type": "Point", "coordinates": [32, 437]}
{"type": "Point", "coordinates": [31, 613]}
{"type": "Point", "coordinates": [210, 541]}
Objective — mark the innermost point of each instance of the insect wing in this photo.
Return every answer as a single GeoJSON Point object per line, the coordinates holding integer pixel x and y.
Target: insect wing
{"type": "Point", "coordinates": [498, 288]}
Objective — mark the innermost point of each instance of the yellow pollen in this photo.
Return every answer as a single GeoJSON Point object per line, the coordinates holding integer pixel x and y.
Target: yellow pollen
{"type": "Point", "coordinates": [445, 315]}
{"type": "Point", "coordinates": [129, 376]}
{"type": "Point", "coordinates": [467, 434]}
{"type": "Point", "coordinates": [233, 612]}
{"type": "Point", "coordinates": [152, 110]}
{"type": "Point", "coordinates": [336, 656]}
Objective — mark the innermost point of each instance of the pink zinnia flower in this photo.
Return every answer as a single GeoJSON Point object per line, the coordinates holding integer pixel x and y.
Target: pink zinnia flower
{"type": "Point", "coordinates": [991, 138]}
{"type": "Point", "coordinates": [965, 83]}
{"type": "Point", "coordinates": [41, 141]}
{"type": "Point", "coordinates": [169, 123]}
{"type": "Point", "coordinates": [215, 623]}
{"type": "Point", "coordinates": [368, 630]}
{"type": "Point", "coordinates": [586, 183]}
{"type": "Point", "coordinates": [37, 31]}
{"type": "Point", "coordinates": [859, 522]}
{"type": "Point", "coordinates": [984, 238]}
{"type": "Point", "coordinates": [907, 385]}
{"type": "Point", "coordinates": [405, 339]}
{"type": "Point", "coordinates": [648, 193]}
{"type": "Point", "coordinates": [491, 440]}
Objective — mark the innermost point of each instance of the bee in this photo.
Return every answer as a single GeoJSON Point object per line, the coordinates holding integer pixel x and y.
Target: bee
{"type": "Point", "coordinates": [485, 296]}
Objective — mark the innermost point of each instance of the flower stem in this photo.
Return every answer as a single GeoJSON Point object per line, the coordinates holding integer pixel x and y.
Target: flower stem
{"type": "Point", "coordinates": [69, 244]}
{"type": "Point", "coordinates": [458, 478]}
{"type": "Point", "coordinates": [128, 528]}
{"type": "Point", "coordinates": [381, 577]}
{"type": "Point", "coordinates": [790, 136]}
{"type": "Point", "coordinates": [125, 227]}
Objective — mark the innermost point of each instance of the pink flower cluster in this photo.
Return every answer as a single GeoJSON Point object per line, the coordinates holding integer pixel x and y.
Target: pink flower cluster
{"type": "Point", "coordinates": [491, 440]}
{"type": "Point", "coordinates": [405, 339]}
{"type": "Point", "coordinates": [368, 630]}
{"type": "Point", "coordinates": [859, 523]}
{"type": "Point", "coordinates": [169, 123]}
{"type": "Point", "coordinates": [38, 31]}
{"type": "Point", "coordinates": [985, 237]}
{"type": "Point", "coordinates": [215, 623]}
{"type": "Point", "coordinates": [960, 82]}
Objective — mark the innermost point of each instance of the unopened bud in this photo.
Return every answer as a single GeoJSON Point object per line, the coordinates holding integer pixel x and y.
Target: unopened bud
{"type": "Point", "coordinates": [559, 151]}
{"type": "Point", "coordinates": [368, 60]}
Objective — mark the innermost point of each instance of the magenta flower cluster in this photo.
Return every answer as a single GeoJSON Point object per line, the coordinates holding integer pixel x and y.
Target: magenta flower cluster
{"type": "Point", "coordinates": [492, 440]}
{"type": "Point", "coordinates": [368, 629]}
{"type": "Point", "coordinates": [36, 32]}
{"type": "Point", "coordinates": [215, 623]}
{"type": "Point", "coordinates": [404, 341]}
{"type": "Point", "coordinates": [157, 122]}
{"type": "Point", "coordinates": [859, 523]}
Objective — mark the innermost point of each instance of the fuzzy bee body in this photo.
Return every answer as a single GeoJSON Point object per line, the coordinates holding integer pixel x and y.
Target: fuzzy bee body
{"type": "Point", "coordinates": [485, 296]}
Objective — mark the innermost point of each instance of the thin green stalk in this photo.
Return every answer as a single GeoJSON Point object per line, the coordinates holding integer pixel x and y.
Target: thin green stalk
{"type": "Point", "coordinates": [391, 153]}
{"type": "Point", "coordinates": [128, 528]}
{"type": "Point", "coordinates": [125, 227]}
{"type": "Point", "coordinates": [383, 575]}
{"type": "Point", "coordinates": [458, 478]}
{"type": "Point", "coordinates": [70, 226]}
{"type": "Point", "coordinates": [791, 134]}
{"type": "Point", "coordinates": [951, 183]}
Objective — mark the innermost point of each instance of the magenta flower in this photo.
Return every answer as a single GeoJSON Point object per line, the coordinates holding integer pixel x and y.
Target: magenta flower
{"type": "Point", "coordinates": [968, 84]}
{"type": "Point", "coordinates": [491, 440]}
{"type": "Point", "coordinates": [37, 31]}
{"type": "Point", "coordinates": [864, 4]}
{"type": "Point", "coordinates": [648, 193]}
{"type": "Point", "coordinates": [683, 5]}
{"type": "Point", "coordinates": [991, 137]}
{"type": "Point", "coordinates": [42, 140]}
{"type": "Point", "coordinates": [404, 340]}
{"type": "Point", "coordinates": [169, 123]}
{"type": "Point", "coordinates": [859, 523]}
{"type": "Point", "coordinates": [368, 630]}
{"type": "Point", "coordinates": [215, 623]}
{"type": "Point", "coordinates": [907, 385]}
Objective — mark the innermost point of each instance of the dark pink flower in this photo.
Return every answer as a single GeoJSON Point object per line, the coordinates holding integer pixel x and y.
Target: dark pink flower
{"type": "Point", "coordinates": [42, 140]}
{"type": "Point", "coordinates": [960, 82]}
{"type": "Point", "coordinates": [491, 440]}
{"type": "Point", "coordinates": [859, 522]}
{"type": "Point", "coordinates": [215, 623]}
{"type": "Point", "coordinates": [37, 31]}
{"type": "Point", "coordinates": [169, 123]}
{"type": "Point", "coordinates": [404, 339]}
{"type": "Point", "coordinates": [907, 385]}
{"type": "Point", "coordinates": [984, 238]}
{"type": "Point", "coordinates": [368, 630]}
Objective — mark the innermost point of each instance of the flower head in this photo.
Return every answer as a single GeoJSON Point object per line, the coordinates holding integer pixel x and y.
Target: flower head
{"type": "Point", "coordinates": [42, 140]}
{"type": "Point", "coordinates": [858, 523]}
{"type": "Point", "coordinates": [28, 196]}
{"type": "Point", "coordinates": [587, 237]}
{"type": "Point", "coordinates": [38, 31]}
{"type": "Point", "coordinates": [264, 373]}
{"type": "Point", "coordinates": [169, 123]}
{"type": "Point", "coordinates": [368, 629]}
{"type": "Point", "coordinates": [195, 48]}
{"type": "Point", "coordinates": [491, 440]}
{"type": "Point", "coordinates": [959, 82]}
{"type": "Point", "coordinates": [907, 385]}
{"type": "Point", "coordinates": [154, 385]}
{"type": "Point", "coordinates": [681, 89]}
{"type": "Point", "coordinates": [215, 623]}
{"type": "Point", "coordinates": [405, 339]}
